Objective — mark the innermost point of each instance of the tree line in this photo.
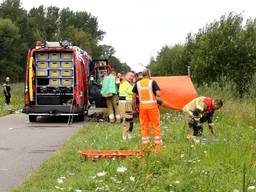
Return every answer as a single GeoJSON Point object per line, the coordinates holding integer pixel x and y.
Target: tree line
{"type": "Point", "coordinates": [19, 29]}
{"type": "Point", "coordinates": [223, 49]}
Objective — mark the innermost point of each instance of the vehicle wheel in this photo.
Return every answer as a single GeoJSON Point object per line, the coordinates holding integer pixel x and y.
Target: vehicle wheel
{"type": "Point", "coordinates": [80, 117]}
{"type": "Point", "coordinates": [32, 118]}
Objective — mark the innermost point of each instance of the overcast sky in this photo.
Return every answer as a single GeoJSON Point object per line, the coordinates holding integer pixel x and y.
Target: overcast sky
{"type": "Point", "coordinates": [137, 29]}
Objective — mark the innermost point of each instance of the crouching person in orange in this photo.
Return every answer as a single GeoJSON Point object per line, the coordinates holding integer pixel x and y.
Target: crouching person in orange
{"type": "Point", "coordinates": [148, 92]}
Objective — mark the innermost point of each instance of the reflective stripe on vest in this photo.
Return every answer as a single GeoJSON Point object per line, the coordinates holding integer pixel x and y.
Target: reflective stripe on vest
{"type": "Point", "coordinates": [197, 100]}
{"type": "Point", "coordinates": [149, 91]}
{"type": "Point", "coordinates": [145, 139]}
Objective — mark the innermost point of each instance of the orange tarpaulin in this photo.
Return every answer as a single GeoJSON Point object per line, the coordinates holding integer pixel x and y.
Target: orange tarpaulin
{"type": "Point", "coordinates": [176, 91]}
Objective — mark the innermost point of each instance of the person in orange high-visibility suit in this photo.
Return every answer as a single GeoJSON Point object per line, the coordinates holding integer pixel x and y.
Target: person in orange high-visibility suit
{"type": "Point", "coordinates": [148, 92]}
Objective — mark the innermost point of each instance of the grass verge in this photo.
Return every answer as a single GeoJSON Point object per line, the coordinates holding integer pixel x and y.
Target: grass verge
{"type": "Point", "coordinates": [228, 164]}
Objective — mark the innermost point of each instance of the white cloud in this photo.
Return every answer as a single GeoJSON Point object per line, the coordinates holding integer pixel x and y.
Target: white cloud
{"type": "Point", "coordinates": [137, 29]}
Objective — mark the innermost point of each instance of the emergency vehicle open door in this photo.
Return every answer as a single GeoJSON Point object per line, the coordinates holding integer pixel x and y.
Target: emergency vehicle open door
{"type": "Point", "coordinates": [100, 69]}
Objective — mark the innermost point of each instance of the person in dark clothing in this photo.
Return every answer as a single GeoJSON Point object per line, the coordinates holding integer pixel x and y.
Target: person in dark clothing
{"type": "Point", "coordinates": [197, 127]}
{"type": "Point", "coordinates": [7, 90]}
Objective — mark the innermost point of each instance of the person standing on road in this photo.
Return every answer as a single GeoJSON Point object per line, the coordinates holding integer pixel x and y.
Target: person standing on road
{"type": "Point", "coordinates": [7, 90]}
{"type": "Point", "coordinates": [198, 111]}
{"type": "Point", "coordinates": [125, 104]}
{"type": "Point", "coordinates": [148, 92]}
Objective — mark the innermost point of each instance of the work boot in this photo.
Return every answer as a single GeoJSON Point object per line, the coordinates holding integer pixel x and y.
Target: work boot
{"type": "Point", "coordinates": [129, 136]}
{"type": "Point", "coordinates": [118, 118]}
{"type": "Point", "coordinates": [111, 118]}
{"type": "Point", "coordinates": [124, 137]}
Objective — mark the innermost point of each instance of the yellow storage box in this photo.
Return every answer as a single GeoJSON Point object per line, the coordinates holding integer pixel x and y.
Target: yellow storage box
{"type": "Point", "coordinates": [54, 64]}
{"type": "Point", "coordinates": [54, 56]}
{"type": "Point", "coordinates": [66, 56]}
{"type": "Point", "coordinates": [54, 82]}
{"type": "Point", "coordinates": [66, 82]}
{"type": "Point", "coordinates": [41, 73]}
{"type": "Point", "coordinates": [66, 73]}
{"type": "Point", "coordinates": [66, 64]}
{"type": "Point", "coordinates": [42, 65]}
{"type": "Point", "coordinates": [54, 73]}
{"type": "Point", "coordinates": [42, 56]}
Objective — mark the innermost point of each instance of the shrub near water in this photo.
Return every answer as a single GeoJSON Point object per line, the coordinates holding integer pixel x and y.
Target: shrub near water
{"type": "Point", "coordinates": [183, 165]}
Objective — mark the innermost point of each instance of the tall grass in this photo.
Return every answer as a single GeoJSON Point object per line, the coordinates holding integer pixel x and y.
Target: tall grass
{"type": "Point", "coordinates": [225, 164]}
{"type": "Point", "coordinates": [224, 89]}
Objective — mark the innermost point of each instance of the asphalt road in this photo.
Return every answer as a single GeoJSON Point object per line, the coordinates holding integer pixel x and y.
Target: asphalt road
{"type": "Point", "coordinates": [24, 146]}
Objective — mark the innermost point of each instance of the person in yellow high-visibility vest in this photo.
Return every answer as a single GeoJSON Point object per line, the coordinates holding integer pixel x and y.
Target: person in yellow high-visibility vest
{"type": "Point", "coordinates": [125, 104]}
{"type": "Point", "coordinates": [149, 95]}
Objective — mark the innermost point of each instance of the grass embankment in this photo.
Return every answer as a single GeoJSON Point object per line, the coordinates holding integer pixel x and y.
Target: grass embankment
{"type": "Point", "coordinates": [228, 164]}
{"type": "Point", "coordinates": [17, 99]}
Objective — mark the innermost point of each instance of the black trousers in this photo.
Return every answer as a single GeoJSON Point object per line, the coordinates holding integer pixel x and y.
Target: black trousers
{"type": "Point", "coordinates": [7, 100]}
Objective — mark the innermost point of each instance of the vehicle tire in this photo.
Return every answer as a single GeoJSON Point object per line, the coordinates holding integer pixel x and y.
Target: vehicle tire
{"type": "Point", "coordinates": [32, 118]}
{"type": "Point", "coordinates": [80, 117]}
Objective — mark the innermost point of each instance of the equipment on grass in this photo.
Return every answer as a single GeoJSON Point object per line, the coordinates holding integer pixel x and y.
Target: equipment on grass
{"type": "Point", "coordinates": [111, 154]}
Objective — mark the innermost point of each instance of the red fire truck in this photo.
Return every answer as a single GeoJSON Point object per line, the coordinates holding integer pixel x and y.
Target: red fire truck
{"type": "Point", "coordinates": [57, 80]}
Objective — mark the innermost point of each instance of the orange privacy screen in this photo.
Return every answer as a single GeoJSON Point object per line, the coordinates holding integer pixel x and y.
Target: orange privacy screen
{"type": "Point", "coordinates": [176, 91]}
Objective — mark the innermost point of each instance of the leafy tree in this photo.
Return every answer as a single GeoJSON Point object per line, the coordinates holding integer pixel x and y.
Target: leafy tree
{"type": "Point", "coordinates": [12, 10]}
{"type": "Point", "coordinates": [168, 61]}
{"type": "Point", "coordinates": [36, 24]}
{"type": "Point", "coordinates": [118, 66]}
{"type": "Point", "coordinates": [106, 51]}
{"type": "Point", "coordinates": [223, 48]}
{"type": "Point", "coordinates": [80, 38]}
{"type": "Point", "coordinates": [9, 36]}
{"type": "Point", "coordinates": [52, 22]}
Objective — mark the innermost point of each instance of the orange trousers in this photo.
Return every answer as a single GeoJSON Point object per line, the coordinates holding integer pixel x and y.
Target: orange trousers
{"type": "Point", "coordinates": [150, 116]}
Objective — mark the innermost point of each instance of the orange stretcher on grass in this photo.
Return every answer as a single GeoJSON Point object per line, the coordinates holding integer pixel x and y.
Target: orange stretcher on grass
{"type": "Point", "coordinates": [111, 154]}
